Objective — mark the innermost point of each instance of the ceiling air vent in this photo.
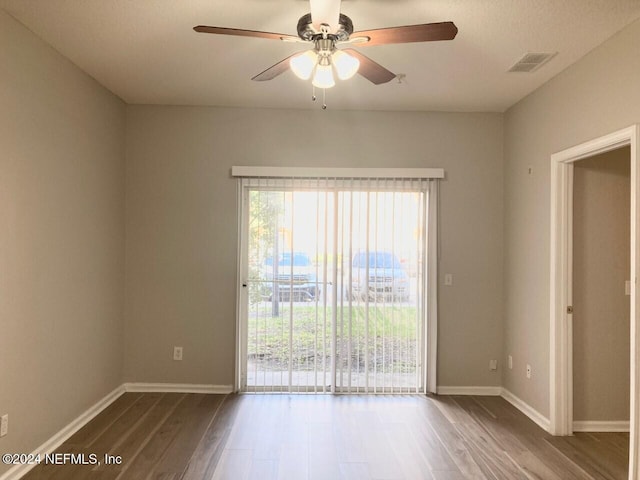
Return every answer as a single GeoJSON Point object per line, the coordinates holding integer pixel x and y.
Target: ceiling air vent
{"type": "Point", "coordinates": [530, 62]}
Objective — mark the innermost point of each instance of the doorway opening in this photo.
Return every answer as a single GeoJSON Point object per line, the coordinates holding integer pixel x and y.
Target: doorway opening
{"type": "Point", "coordinates": [561, 283]}
{"type": "Point", "coordinates": [601, 307]}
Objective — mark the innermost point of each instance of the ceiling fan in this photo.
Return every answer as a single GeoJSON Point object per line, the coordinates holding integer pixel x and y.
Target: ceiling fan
{"type": "Point", "coordinates": [324, 29]}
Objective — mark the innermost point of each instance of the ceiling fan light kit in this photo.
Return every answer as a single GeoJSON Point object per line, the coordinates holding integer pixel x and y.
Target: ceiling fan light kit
{"type": "Point", "coordinates": [304, 64]}
{"type": "Point", "coordinates": [324, 29]}
{"type": "Point", "coordinates": [323, 77]}
{"type": "Point", "coordinates": [320, 63]}
{"type": "Point", "coordinates": [346, 66]}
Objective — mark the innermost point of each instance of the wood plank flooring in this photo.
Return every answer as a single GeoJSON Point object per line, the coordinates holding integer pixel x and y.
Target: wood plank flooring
{"type": "Point", "coordinates": [304, 437]}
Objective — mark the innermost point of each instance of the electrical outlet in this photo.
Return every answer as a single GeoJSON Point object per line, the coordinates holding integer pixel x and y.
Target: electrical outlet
{"type": "Point", "coordinates": [493, 365]}
{"type": "Point", "coordinates": [4, 425]}
{"type": "Point", "coordinates": [448, 279]}
{"type": "Point", "coordinates": [510, 362]}
{"type": "Point", "coordinates": [528, 371]}
{"type": "Point", "coordinates": [177, 353]}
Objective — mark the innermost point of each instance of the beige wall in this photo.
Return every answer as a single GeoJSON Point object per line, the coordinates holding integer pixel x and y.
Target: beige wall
{"type": "Point", "coordinates": [61, 240]}
{"type": "Point", "coordinates": [182, 238]}
{"type": "Point", "coordinates": [63, 196]}
{"type": "Point", "coordinates": [596, 96]}
{"type": "Point", "coordinates": [601, 265]}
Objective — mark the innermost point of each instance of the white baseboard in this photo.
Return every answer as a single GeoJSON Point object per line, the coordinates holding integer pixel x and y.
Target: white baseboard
{"type": "Point", "coordinates": [177, 388]}
{"type": "Point", "coordinates": [542, 421]}
{"type": "Point", "coordinates": [601, 426]}
{"type": "Point", "coordinates": [54, 442]}
{"type": "Point", "coordinates": [489, 391]}
{"type": "Point", "coordinates": [528, 410]}
{"type": "Point", "coordinates": [59, 438]}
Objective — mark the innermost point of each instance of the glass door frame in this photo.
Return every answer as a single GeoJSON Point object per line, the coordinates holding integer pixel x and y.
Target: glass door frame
{"type": "Point", "coordinates": [428, 329]}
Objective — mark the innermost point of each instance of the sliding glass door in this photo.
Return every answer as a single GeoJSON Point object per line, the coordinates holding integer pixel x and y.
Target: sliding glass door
{"type": "Point", "coordinates": [334, 285]}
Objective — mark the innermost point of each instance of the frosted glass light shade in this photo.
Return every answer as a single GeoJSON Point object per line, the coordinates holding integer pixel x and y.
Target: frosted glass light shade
{"type": "Point", "coordinates": [323, 77]}
{"type": "Point", "coordinates": [302, 65]}
{"type": "Point", "coordinates": [345, 64]}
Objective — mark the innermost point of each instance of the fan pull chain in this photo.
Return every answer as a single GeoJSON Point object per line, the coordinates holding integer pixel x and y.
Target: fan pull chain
{"type": "Point", "coordinates": [324, 96]}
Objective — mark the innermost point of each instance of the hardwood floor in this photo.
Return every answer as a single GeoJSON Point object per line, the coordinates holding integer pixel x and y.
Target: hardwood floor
{"type": "Point", "coordinates": [237, 437]}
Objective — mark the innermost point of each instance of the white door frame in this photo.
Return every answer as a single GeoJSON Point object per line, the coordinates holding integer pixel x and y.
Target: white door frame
{"type": "Point", "coordinates": [561, 329]}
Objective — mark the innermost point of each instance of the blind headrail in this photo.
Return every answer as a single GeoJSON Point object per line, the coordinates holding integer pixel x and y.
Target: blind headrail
{"type": "Point", "coordinates": [336, 172]}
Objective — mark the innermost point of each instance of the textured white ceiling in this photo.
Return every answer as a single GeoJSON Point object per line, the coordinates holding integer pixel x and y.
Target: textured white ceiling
{"type": "Point", "coordinates": [146, 52]}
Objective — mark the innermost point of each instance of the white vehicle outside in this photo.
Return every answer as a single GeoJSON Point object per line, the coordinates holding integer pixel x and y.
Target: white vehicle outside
{"type": "Point", "coordinates": [386, 280]}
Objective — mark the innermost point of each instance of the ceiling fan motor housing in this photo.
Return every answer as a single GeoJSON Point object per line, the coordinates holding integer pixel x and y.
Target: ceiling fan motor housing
{"type": "Point", "coordinates": [325, 46]}
{"type": "Point", "coordinates": [310, 34]}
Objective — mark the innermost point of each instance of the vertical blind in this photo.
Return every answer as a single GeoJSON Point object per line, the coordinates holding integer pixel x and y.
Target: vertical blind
{"type": "Point", "coordinates": [337, 285]}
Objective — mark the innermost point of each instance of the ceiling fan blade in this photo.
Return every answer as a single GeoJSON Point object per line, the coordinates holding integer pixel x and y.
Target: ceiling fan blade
{"type": "Point", "coordinates": [372, 71]}
{"type": "Point", "coordinates": [427, 32]}
{"type": "Point", "coordinates": [244, 33]}
{"type": "Point", "coordinates": [325, 11]}
{"type": "Point", "coordinates": [274, 70]}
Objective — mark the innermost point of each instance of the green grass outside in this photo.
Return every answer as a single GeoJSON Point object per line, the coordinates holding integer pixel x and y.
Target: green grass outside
{"type": "Point", "coordinates": [392, 335]}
